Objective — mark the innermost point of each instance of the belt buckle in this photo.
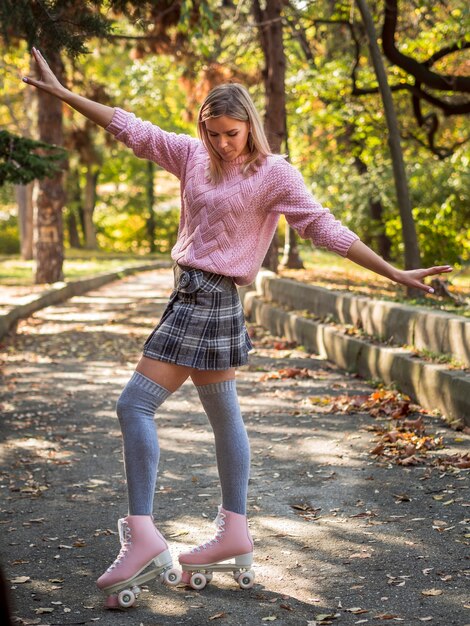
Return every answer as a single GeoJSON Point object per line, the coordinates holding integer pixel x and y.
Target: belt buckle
{"type": "Point", "coordinates": [184, 279]}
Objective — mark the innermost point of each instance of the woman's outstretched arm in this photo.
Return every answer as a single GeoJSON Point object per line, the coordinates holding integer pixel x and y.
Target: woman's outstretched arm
{"type": "Point", "coordinates": [363, 255]}
{"type": "Point", "coordinates": [94, 111]}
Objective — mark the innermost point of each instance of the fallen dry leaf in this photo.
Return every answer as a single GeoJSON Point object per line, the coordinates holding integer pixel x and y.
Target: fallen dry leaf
{"type": "Point", "coordinates": [408, 460]}
{"type": "Point", "coordinates": [287, 372]}
{"type": "Point", "coordinates": [356, 610]}
{"type": "Point", "coordinates": [432, 592]}
{"type": "Point", "coordinates": [379, 448]}
{"type": "Point", "coordinates": [306, 511]}
{"type": "Point", "coordinates": [461, 461]}
{"type": "Point", "coordinates": [361, 555]}
{"type": "Point", "coordinates": [19, 580]}
{"type": "Point", "coordinates": [416, 425]}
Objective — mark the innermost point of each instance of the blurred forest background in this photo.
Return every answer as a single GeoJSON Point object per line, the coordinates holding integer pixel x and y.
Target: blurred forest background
{"type": "Point", "coordinates": [309, 67]}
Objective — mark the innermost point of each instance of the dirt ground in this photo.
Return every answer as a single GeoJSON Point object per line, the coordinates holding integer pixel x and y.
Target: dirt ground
{"type": "Point", "coordinates": [342, 536]}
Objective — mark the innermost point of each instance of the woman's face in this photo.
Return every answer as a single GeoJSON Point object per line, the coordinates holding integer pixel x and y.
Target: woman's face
{"type": "Point", "coordinates": [228, 136]}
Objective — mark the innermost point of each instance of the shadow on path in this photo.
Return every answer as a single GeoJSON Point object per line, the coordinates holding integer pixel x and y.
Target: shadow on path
{"type": "Point", "coordinates": [340, 537]}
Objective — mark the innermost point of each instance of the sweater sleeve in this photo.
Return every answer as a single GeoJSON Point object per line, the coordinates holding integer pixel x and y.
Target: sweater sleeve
{"type": "Point", "coordinates": [170, 150]}
{"type": "Point", "coordinates": [290, 196]}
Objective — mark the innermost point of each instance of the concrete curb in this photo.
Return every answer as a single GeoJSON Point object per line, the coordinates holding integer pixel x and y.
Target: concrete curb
{"type": "Point", "coordinates": [432, 386]}
{"type": "Point", "coordinates": [436, 331]}
{"type": "Point", "coordinates": [60, 292]}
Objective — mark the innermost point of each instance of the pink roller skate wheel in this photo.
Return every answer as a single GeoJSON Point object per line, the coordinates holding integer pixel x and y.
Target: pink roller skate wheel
{"type": "Point", "coordinates": [112, 602]}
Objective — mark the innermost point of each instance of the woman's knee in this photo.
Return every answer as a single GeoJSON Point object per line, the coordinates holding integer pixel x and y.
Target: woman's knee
{"type": "Point", "coordinates": [140, 398]}
{"type": "Point", "coordinates": [124, 404]}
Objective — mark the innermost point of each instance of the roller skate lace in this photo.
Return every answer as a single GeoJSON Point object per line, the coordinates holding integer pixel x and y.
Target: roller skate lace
{"type": "Point", "coordinates": [125, 539]}
{"type": "Point", "coordinates": [220, 523]}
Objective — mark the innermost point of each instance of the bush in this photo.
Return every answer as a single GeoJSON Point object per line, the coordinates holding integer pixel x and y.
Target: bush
{"type": "Point", "coordinates": [125, 232]}
{"type": "Point", "coordinates": [9, 234]}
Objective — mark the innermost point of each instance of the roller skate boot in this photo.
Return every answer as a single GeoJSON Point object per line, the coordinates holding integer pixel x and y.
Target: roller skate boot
{"type": "Point", "coordinates": [231, 550]}
{"type": "Point", "coordinates": [144, 556]}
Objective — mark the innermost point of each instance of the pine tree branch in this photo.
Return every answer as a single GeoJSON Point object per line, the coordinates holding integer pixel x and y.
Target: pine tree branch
{"type": "Point", "coordinates": [23, 160]}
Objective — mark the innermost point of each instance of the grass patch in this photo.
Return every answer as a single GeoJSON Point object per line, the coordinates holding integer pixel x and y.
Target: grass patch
{"type": "Point", "coordinates": [15, 272]}
{"type": "Point", "coordinates": [329, 270]}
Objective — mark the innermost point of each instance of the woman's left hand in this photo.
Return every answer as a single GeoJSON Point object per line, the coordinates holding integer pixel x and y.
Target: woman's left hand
{"type": "Point", "coordinates": [414, 278]}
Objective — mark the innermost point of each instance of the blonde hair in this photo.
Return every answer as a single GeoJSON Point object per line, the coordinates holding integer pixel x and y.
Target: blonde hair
{"type": "Point", "coordinates": [233, 100]}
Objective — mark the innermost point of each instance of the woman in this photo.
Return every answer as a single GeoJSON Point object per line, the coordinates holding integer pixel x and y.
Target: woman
{"type": "Point", "coordinates": [233, 190]}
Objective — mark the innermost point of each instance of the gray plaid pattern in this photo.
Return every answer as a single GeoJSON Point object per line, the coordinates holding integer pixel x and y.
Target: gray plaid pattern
{"type": "Point", "coordinates": [203, 324]}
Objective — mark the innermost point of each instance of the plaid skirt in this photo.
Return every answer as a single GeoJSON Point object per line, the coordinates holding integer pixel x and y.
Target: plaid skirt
{"type": "Point", "coordinates": [203, 325]}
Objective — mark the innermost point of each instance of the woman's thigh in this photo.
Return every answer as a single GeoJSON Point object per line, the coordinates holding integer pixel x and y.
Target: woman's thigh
{"type": "Point", "coordinates": [171, 376]}
{"type": "Point", "coordinates": [206, 377]}
{"type": "Point", "coordinates": [167, 375]}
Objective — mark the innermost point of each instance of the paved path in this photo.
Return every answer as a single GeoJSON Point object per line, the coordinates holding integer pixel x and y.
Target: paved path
{"type": "Point", "coordinates": [342, 537]}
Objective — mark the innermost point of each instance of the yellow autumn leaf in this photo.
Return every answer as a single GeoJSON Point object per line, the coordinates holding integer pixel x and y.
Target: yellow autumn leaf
{"type": "Point", "coordinates": [318, 400]}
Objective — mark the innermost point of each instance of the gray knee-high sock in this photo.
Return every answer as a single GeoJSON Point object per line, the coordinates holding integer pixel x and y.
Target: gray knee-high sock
{"type": "Point", "coordinates": [136, 409]}
{"type": "Point", "coordinates": [232, 447]}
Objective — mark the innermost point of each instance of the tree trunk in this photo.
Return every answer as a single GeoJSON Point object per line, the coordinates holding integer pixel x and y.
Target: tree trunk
{"type": "Point", "coordinates": [274, 72]}
{"type": "Point", "coordinates": [412, 257]}
{"type": "Point", "coordinates": [74, 211]}
{"type": "Point", "coordinates": [384, 245]}
{"type": "Point", "coordinates": [24, 199]}
{"type": "Point", "coordinates": [24, 193]}
{"type": "Point", "coordinates": [89, 207]}
{"type": "Point", "coordinates": [291, 257]}
{"type": "Point", "coordinates": [72, 228]}
{"type": "Point", "coordinates": [49, 253]}
{"type": "Point", "coordinates": [150, 222]}
{"type": "Point", "coordinates": [270, 35]}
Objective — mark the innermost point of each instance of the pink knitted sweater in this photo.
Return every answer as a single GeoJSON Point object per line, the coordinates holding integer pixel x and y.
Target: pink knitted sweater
{"type": "Point", "coordinates": [227, 227]}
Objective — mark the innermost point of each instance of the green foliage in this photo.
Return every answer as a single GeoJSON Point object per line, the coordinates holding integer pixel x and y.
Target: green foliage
{"type": "Point", "coordinates": [124, 232]}
{"type": "Point", "coordinates": [9, 234]}
{"type": "Point", "coordinates": [22, 160]}
{"type": "Point", "coordinates": [338, 141]}
{"type": "Point", "coordinates": [9, 231]}
{"type": "Point", "coordinates": [330, 131]}
{"type": "Point", "coordinates": [149, 87]}
{"type": "Point", "coordinates": [167, 230]}
{"type": "Point", "coordinates": [441, 194]}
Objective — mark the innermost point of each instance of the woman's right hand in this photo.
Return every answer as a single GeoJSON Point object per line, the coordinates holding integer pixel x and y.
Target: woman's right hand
{"type": "Point", "coordinates": [47, 80]}
{"type": "Point", "coordinates": [101, 114]}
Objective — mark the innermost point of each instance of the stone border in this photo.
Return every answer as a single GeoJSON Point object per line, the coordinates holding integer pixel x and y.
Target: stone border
{"type": "Point", "coordinates": [63, 291]}
{"type": "Point", "coordinates": [439, 332]}
{"type": "Point", "coordinates": [432, 386]}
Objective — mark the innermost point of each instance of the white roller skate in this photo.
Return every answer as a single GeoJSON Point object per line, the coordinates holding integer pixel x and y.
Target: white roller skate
{"type": "Point", "coordinates": [231, 550]}
{"type": "Point", "coordinates": [144, 556]}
